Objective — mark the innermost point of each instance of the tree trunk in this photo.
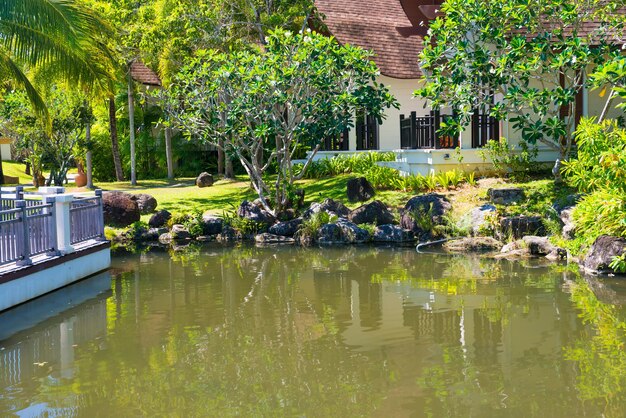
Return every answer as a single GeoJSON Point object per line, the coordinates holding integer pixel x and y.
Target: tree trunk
{"type": "Point", "coordinates": [229, 173]}
{"type": "Point", "coordinates": [168, 153]}
{"type": "Point", "coordinates": [131, 125]}
{"type": "Point", "coordinates": [1, 171]}
{"type": "Point", "coordinates": [115, 145]}
{"type": "Point", "coordinates": [220, 158]}
{"type": "Point", "coordinates": [27, 169]}
{"type": "Point", "coordinates": [88, 160]}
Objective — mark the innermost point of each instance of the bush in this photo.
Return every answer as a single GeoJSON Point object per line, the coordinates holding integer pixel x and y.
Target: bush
{"type": "Point", "coordinates": [599, 170]}
{"type": "Point", "coordinates": [516, 162]}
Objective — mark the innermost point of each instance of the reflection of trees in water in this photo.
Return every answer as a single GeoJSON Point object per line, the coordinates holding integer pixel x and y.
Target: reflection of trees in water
{"type": "Point", "coordinates": [599, 354]}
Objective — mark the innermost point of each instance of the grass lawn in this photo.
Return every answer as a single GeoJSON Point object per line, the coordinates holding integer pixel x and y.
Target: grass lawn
{"type": "Point", "coordinates": [15, 169]}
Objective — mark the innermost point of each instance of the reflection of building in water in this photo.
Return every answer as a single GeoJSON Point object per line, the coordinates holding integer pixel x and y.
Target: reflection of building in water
{"type": "Point", "coordinates": [50, 345]}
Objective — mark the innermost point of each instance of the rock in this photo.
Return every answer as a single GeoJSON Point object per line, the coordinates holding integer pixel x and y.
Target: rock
{"type": "Point", "coordinates": [287, 215]}
{"type": "Point", "coordinates": [206, 238]}
{"type": "Point", "coordinates": [229, 234]}
{"type": "Point", "coordinates": [569, 229]}
{"type": "Point", "coordinates": [352, 233]}
{"type": "Point", "coordinates": [432, 204]}
{"type": "Point", "coordinates": [204, 180]}
{"type": "Point", "coordinates": [538, 246]}
{"type": "Point", "coordinates": [330, 206]}
{"type": "Point", "coordinates": [372, 213]}
{"type": "Point", "coordinates": [532, 246]}
{"type": "Point", "coordinates": [159, 219]}
{"type": "Point", "coordinates": [256, 213]}
{"type": "Point", "coordinates": [120, 209]}
{"type": "Point", "coordinates": [273, 239]}
{"type": "Point", "coordinates": [392, 233]}
{"type": "Point", "coordinates": [505, 196]}
{"type": "Point", "coordinates": [567, 203]}
{"type": "Point", "coordinates": [180, 233]}
{"type": "Point", "coordinates": [151, 234]}
{"type": "Point", "coordinates": [359, 190]}
{"type": "Point", "coordinates": [166, 238]}
{"type": "Point", "coordinates": [474, 244]}
{"type": "Point", "coordinates": [602, 252]}
{"type": "Point", "coordinates": [476, 219]}
{"type": "Point", "coordinates": [286, 229]}
{"type": "Point", "coordinates": [146, 203]}
{"type": "Point", "coordinates": [519, 226]}
{"type": "Point", "coordinates": [331, 234]}
{"type": "Point", "coordinates": [212, 224]}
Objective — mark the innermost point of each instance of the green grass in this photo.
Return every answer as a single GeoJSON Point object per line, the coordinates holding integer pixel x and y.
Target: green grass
{"type": "Point", "coordinates": [15, 169]}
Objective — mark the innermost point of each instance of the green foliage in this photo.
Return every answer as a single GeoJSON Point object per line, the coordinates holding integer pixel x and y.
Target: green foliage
{"type": "Point", "coordinates": [517, 162]}
{"type": "Point", "coordinates": [618, 264]}
{"type": "Point", "coordinates": [300, 89]}
{"type": "Point", "coordinates": [504, 47]}
{"type": "Point", "coordinates": [178, 218]}
{"type": "Point", "coordinates": [309, 227]}
{"type": "Point", "coordinates": [600, 171]}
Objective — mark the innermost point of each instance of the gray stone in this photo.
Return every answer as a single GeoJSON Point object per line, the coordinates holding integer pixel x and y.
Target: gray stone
{"type": "Point", "coordinates": [166, 238]}
{"type": "Point", "coordinates": [505, 196]}
{"type": "Point", "coordinates": [532, 246]}
{"type": "Point", "coordinates": [331, 234]}
{"type": "Point", "coordinates": [256, 213]}
{"type": "Point", "coordinates": [432, 204]}
{"type": "Point", "coordinates": [352, 233]}
{"type": "Point", "coordinates": [266, 238]}
{"type": "Point", "coordinates": [476, 218]}
{"type": "Point", "coordinates": [159, 219]}
{"type": "Point", "coordinates": [538, 246]}
{"type": "Point", "coordinates": [473, 244]}
{"type": "Point", "coordinates": [180, 233]}
{"type": "Point", "coordinates": [206, 238]}
{"type": "Point", "coordinates": [359, 190]}
{"type": "Point", "coordinates": [146, 203]}
{"type": "Point", "coordinates": [204, 180]}
{"type": "Point", "coordinates": [330, 206]}
{"type": "Point", "coordinates": [392, 233]}
{"type": "Point", "coordinates": [519, 226]}
{"type": "Point", "coordinates": [229, 234]}
{"type": "Point", "coordinates": [569, 228]}
{"type": "Point", "coordinates": [372, 213]}
{"type": "Point", "coordinates": [212, 225]}
{"type": "Point", "coordinates": [602, 252]}
{"type": "Point", "coordinates": [120, 209]}
{"type": "Point", "coordinates": [287, 228]}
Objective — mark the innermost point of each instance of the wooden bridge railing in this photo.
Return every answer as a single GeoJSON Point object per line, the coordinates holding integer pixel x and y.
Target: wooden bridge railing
{"type": "Point", "coordinates": [46, 224]}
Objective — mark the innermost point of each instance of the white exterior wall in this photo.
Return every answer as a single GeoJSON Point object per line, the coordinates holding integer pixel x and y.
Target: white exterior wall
{"type": "Point", "coordinates": [5, 150]}
{"type": "Point", "coordinates": [402, 90]}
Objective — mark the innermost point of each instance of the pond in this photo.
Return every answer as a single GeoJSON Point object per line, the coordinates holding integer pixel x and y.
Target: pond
{"type": "Point", "coordinates": [361, 331]}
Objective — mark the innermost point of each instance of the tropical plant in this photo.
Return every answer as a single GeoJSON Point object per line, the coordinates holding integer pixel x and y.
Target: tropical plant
{"type": "Point", "coordinates": [300, 89]}
{"type": "Point", "coordinates": [511, 160]}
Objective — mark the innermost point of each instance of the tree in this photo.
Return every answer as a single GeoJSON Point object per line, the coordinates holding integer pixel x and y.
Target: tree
{"type": "Point", "coordinates": [299, 90]}
{"type": "Point", "coordinates": [522, 59]}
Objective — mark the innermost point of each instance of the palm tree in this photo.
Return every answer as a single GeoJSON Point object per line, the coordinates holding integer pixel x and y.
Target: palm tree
{"type": "Point", "coordinates": [54, 37]}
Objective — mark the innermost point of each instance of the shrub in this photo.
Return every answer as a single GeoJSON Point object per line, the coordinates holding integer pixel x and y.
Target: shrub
{"type": "Point", "coordinates": [517, 162]}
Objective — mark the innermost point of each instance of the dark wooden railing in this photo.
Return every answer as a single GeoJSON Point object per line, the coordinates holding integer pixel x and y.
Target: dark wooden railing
{"type": "Point", "coordinates": [422, 132]}
{"type": "Point", "coordinates": [336, 143]}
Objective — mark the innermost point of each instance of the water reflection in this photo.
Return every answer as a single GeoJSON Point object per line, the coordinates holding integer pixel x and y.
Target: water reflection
{"type": "Point", "coordinates": [337, 332]}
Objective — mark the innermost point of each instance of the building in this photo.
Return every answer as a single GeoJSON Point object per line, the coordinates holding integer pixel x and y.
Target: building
{"type": "Point", "coordinates": [5, 149]}
{"type": "Point", "coordinates": [394, 31]}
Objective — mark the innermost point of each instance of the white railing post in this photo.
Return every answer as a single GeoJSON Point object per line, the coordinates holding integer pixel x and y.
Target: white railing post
{"type": "Point", "coordinates": [51, 200]}
{"type": "Point", "coordinates": [25, 237]}
{"type": "Point", "coordinates": [62, 203]}
{"type": "Point", "coordinates": [100, 215]}
{"type": "Point", "coordinates": [51, 190]}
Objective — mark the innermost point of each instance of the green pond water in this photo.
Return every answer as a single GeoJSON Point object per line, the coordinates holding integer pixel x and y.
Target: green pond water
{"type": "Point", "coordinates": [334, 332]}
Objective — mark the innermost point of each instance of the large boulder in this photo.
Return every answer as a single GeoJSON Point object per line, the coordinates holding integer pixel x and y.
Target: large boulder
{"type": "Point", "coordinates": [229, 235]}
{"type": "Point", "coordinates": [476, 219]}
{"type": "Point", "coordinates": [359, 190]}
{"type": "Point", "coordinates": [287, 228]}
{"type": "Point", "coordinates": [146, 203]}
{"type": "Point", "coordinates": [519, 226]}
{"type": "Point", "coordinates": [331, 234]}
{"type": "Point", "coordinates": [433, 205]}
{"type": "Point", "coordinates": [254, 212]}
{"type": "Point", "coordinates": [180, 233]}
{"type": "Point", "coordinates": [352, 233]}
{"type": "Point", "coordinates": [532, 246]}
{"type": "Point", "coordinates": [120, 209]}
{"type": "Point", "coordinates": [602, 252]}
{"type": "Point", "coordinates": [330, 206]}
{"type": "Point", "coordinates": [204, 180]}
{"type": "Point", "coordinates": [505, 196]}
{"type": "Point", "coordinates": [159, 219]}
{"type": "Point", "coordinates": [471, 244]}
{"type": "Point", "coordinates": [392, 233]}
{"type": "Point", "coordinates": [372, 213]}
{"type": "Point", "coordinates": [212, 225]}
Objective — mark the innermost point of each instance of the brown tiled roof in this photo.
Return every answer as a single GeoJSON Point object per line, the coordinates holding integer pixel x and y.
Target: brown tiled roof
{"type": "Point", "coordinates": [144, 75]}
{"type": "Point", "coordinates": [381, 26]}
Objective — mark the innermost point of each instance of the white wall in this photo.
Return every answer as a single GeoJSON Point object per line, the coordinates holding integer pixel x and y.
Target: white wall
{"type": "Point", "coordinates": [5, 150]}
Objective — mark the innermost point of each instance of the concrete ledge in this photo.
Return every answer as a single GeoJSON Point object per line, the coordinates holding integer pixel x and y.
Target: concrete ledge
{"type": "Point", "coordinates": [24, 284]}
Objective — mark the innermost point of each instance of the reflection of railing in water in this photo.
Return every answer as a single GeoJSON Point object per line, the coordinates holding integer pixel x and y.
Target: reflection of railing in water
{"type": "Point", "coordinates": [52, 343]}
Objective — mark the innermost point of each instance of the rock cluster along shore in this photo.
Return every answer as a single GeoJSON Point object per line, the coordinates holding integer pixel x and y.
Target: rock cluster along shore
{"type": "Point", "coordinates": [423, 218]}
